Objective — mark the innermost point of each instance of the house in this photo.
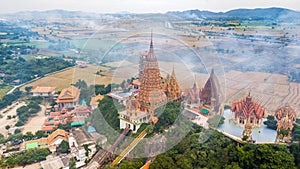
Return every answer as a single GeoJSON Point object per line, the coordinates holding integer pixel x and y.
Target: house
{"type": "Point", "coordinates": [56, 118]}
{"type": "Point", "coordinates": [98, 138]}
{"type": "Point", "coordinates": [53, 162]}
{"type": "Point", "coordinates": [51, 142]}
{"type": "Point", "coordinates": [43, 91]}
{"type": "Point", "coordinates": [77, 140]}
{"type": "Point", "coordinates": [68, 98]}
{"type": "Point", "coordinates": [120, 96]}
{"type": "Point", "coordinates": [82, 110]}
{"type": "Point", "coordinates": [95, 101]}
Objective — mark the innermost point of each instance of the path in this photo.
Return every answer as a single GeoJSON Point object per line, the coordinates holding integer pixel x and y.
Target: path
{"type": "Point", "coordinates": [97, 161]}
{"type": "Point", "coordinates": [36, 122]}
{"type": "Point", "coordinates": [10, 110]}
{"type": "Point", "coordinates": [131, 146]}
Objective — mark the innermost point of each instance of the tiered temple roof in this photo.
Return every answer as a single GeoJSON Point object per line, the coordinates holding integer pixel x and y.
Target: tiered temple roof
{"type": "Point", "coordinates": [192, 95]}
{"type": "Point", "coordinates": [247, 107]}
{"type": "Point", "coordinates": [173, 90]}
{"type": "Point", "coordinates": [70, 94]}
{"type": "Point", "coordinates": [151, 94]}
{"type": "Point", "coordinates": [285, 116]}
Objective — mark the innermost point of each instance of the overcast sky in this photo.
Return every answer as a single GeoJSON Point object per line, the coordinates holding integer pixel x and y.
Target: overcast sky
{"type": "Point", "coordinates": [141, 6]}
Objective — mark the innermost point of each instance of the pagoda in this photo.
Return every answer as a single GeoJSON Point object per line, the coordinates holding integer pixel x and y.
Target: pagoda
{"type": "Point", "coordinates": [192, 95]}
{"type": "Point", "coordinates": [151, 93]}
{"type": "Point", "coordinates": [247, 133]}
{"type": "Point", "coordinates": [205, 101]}
{"type": "Point", "coordinates": [172, 90]}
{"type": "Point", "coordinates": [210, 94]}
{"type": "Point", "coordinates": [285, 117]}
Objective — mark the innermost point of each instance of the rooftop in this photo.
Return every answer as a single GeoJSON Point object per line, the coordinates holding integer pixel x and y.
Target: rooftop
{"type": "Point", "coordinates": [69, 94]}
{"type": "Point", "coordinates": [39, 89]}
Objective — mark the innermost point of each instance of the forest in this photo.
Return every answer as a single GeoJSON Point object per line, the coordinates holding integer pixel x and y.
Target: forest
{"type": "Point", "coordinates": [220, 152]}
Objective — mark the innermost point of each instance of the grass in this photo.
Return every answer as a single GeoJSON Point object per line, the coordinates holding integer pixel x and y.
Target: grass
{"type": "Point", "coordinates": [4, 90]}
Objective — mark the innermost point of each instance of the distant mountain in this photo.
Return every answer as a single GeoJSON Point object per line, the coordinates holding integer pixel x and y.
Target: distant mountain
{"type": "Point", "coordinates": [241, 14]}
{"type": "Point", "coordinates": [254, 14]}
{"type": "Point", "coordinates": [58, 13]}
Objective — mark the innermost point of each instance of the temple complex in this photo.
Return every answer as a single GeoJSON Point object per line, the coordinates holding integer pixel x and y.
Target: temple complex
{"type": "Point", "coordinates": [247, 110]}
{"type": "Point", "coordinates": [206, 100]}
{"type": "Point", "coordinates": [153, 91]}
{"type": "Point", "coordinates": [285, 117]}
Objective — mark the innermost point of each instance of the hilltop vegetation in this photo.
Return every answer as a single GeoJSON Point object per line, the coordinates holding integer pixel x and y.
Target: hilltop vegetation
{"type": "Point", "coordinates": [25, 70]}
{"type": "Point", "coordinates": [220, 152]}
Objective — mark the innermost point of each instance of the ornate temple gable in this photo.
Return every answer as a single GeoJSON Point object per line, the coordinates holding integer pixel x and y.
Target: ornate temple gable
{"type": "Point", "coordinates": [247, 108]}
{"type": "Point", "coordinates": [211, 90]}
{"type": "Point", "coordinates": [285, 116]}
{"type": "Point", "coordinates": [192, 95]}
{"type": "Point", "coordinates": [151, 94]}
{"type": "Point", "coordinates": [173, 90]}
{"type": "Point", "coordinates": [133, 107]}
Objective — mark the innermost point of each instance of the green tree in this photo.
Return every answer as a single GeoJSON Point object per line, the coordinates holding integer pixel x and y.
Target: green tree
{"type": "Point", "coordinates": [64, 147]}
{"type": "Point", "coordinates": [87, 150]}
{"type": "Point", "coordinates": [271, 122]}
{"type": "Point", "coordinates": [72, 163]}
{"type": "Point", "coordinates": [17, 131]}
{"type": "Point", "coordinates": [7, 127]}
{"type": "Point", "coordinates": [216, 121]}
{"type": "Point", "coordinates": [40, 134]}
{"type": "Point", "coordinates": [28, 88]}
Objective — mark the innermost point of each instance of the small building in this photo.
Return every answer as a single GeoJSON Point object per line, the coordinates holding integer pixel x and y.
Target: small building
{"type": "Point", "coordinates": [52, 162]}
{"type": "Point", "coordinates": [55, 118]}
{"type": "Point", "coordinates": [68, 98]}
{"type": "Point", "coordinates": [43, 91]}
{"type": "Point", "coordinates": [133, 117]}
{"type": "Point", "coordinates": [77, 140]}
{"type": "Point", "coordinates": [95, 101]}
{"type": "Point", "coordinates": [51, 142]}
{"type": "Point", "coordinates": [120, 96]}
{"type": "Point", "coordinates": [98, 138]}
{"type": "Point", "coordinates": [82, 110]}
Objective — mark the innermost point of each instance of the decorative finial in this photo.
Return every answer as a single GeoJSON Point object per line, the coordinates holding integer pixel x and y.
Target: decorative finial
{"type": "Point", "coordinates": [151, 43]}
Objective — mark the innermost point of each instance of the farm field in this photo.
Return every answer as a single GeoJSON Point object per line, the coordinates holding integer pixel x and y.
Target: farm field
{"type": "Point", "coordinates": [70, 76]}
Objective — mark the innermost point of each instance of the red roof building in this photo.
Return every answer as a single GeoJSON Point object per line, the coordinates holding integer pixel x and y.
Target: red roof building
{"type": "Point", "coordinates": [248, 110]}
{"type": "Point", "coordinates": [68, 98]}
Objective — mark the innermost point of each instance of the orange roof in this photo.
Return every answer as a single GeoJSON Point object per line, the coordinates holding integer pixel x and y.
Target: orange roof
{"type": "Point", "coordinates": [57, 133]}
{"type": "Point", "coordinates": [95, 100]}
{"type": "Point", "coordinates": [247, 107]}
{"type": "Point", "coordinates": [146, 165]}
{"type": "Point", "coordinates": [48, 128]}
{"type": "Point", "coordinates": [70, 94]}
{"type": "Point", "coordinates": [136, 82]}
{"type": "Point", "coordinates": [43, 89]}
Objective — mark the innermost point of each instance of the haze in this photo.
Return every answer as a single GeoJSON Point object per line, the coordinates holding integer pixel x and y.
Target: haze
{"type": "Point", "coordinates": [141, 6]}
